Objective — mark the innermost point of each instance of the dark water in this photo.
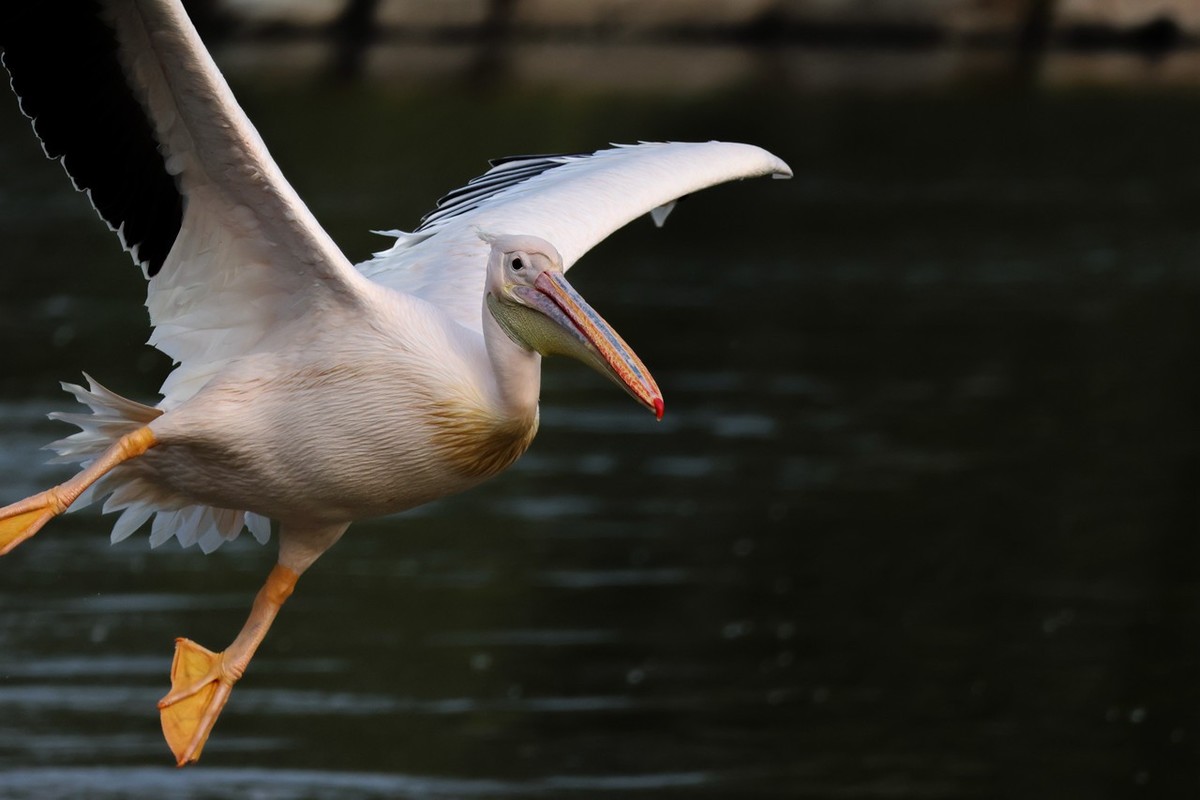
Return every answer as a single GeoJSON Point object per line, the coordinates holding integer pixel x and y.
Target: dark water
{"type": "Point", "coordinates": [921, 520]}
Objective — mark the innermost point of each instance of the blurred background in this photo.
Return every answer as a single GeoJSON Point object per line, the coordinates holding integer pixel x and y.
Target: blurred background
{"type": "Point", "coordinates": [921, 520]}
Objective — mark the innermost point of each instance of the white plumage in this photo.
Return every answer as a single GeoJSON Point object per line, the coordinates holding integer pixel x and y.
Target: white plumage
{"type": "Point", "coordinates": [306, 390]}
{"type": "Point", "coordinates": [575, 205]}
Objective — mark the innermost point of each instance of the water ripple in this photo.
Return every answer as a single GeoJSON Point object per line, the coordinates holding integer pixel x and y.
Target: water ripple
{"type": "Point", "coordinates": [251, 701]}
{"type": "Point", "coordinates": [592, 579]}
{"type": "Point", "coordinates": [91, 666]}
{"type": "Point", "coordinates": [539, 508]}
{"type": "Point", "coordinates": [96, 666]}
{"type": "Point", "coordinates": [546, 638]}
{"type": "Point", "coordinates": [101, 783]}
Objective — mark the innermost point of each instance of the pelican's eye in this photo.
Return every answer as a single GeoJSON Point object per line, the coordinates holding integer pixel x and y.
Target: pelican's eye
{"type": "Point", "coordinates": [517, 264]}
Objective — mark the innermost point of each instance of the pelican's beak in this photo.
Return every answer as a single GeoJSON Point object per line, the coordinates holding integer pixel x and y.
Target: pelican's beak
{"type": "Point", "coordinates": [580, 332]}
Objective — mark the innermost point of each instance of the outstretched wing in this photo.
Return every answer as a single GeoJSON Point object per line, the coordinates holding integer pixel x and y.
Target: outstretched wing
{"type": "Point", "coordinates": [572, 201]}
{"type": "Point", "coordinates": [124, 93]}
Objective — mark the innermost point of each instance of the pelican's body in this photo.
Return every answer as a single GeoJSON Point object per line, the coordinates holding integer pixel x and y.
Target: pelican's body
{"type": "Point", "coordinates": [307, 390]}
{"type": "Point", "coordinates": [318, 423]}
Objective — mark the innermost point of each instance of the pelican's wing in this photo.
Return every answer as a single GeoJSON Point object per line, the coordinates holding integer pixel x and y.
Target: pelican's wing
{"type": "Point", "coordinates": [572, 201]}
{"type": "Point", "coordinates": [125, 95]}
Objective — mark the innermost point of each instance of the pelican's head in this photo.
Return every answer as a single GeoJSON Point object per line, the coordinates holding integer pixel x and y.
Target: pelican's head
{"type": "Point", "coordinates": [529, 297]}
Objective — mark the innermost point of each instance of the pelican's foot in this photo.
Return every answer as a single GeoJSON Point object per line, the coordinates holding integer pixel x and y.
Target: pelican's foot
{"type": "Point", "coordinates": [200, 687]}
{"type": "Point", "coordinates": [23, 519]}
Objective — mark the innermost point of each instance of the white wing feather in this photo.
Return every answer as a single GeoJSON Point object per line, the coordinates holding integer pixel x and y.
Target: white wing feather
{"type": "Point", "coordinates": [249, 263]}
{"type": "Point", "coordinates": [250, 257]}
{"type": "Point", "coordinates": [573, 202]}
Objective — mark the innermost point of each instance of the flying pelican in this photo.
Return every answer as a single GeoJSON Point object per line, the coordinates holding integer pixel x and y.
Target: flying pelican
{"type": "Point", "coordinates": [307, 390]}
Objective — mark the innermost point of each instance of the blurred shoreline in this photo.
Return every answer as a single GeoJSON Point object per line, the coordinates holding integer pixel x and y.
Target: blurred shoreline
{"type": "Point", "coordinates": [1143, 24]}
{"type": "Point", "coordinates": [801, 46]}
{"type": "Point", "coordinates": [649, 67]}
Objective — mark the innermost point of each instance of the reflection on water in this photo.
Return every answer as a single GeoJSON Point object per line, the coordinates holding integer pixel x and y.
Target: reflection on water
{"type": "Point", "coordinates": [921, 520]}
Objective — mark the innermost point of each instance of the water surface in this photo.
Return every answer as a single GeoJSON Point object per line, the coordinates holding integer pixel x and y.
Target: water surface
{"type": "Point", "coordinates": [921, 519]}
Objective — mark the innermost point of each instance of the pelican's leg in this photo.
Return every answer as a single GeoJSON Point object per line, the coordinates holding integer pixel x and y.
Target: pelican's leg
{"type": "Point", "coordinates": [202, 680]}
{"type": "Point", "coordinates": [23, 519]}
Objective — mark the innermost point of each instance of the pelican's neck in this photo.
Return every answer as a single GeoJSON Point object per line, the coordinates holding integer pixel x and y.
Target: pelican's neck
{"type": "Point", "coordinates": [516, 370]}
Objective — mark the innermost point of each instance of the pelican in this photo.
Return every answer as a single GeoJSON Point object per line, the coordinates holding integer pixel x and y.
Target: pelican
{"type": "Point", "coordinates": [306, 390]}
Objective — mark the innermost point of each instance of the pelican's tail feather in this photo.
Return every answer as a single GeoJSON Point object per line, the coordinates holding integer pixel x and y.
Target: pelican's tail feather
{"type": "Point", "coordinates": [112, 417]}
{"type": "Point", "coordinates": [130, 488]}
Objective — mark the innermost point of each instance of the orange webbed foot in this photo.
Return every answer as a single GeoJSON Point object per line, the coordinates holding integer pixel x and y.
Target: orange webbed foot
{"type": "Point", "coordinates": [23, 519]}
{"type": "Point", "coordinates": [200, 687]}
{"type": "Point", "coordinates": [201, 680]}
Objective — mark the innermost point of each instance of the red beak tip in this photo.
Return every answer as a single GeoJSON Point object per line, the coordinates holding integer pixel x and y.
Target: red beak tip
{"type": "Point", "coordinates": [658, 408]}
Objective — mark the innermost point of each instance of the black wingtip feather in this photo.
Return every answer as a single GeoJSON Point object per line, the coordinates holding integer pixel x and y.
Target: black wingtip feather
{"type": "Point", "coordinates": [62, 61]}
{"type": "Point", "coordinates": [505, 173]}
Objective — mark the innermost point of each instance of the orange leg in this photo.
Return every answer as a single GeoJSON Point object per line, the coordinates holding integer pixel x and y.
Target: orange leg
{"type": "Point", "coordinates": [201, 680]}
{"type": "Point", "coordinates": [23, 519]}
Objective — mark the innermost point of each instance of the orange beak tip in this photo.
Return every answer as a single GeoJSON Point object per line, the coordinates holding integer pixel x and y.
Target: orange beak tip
{"type": "Point", "coordinates": [658, 408]}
